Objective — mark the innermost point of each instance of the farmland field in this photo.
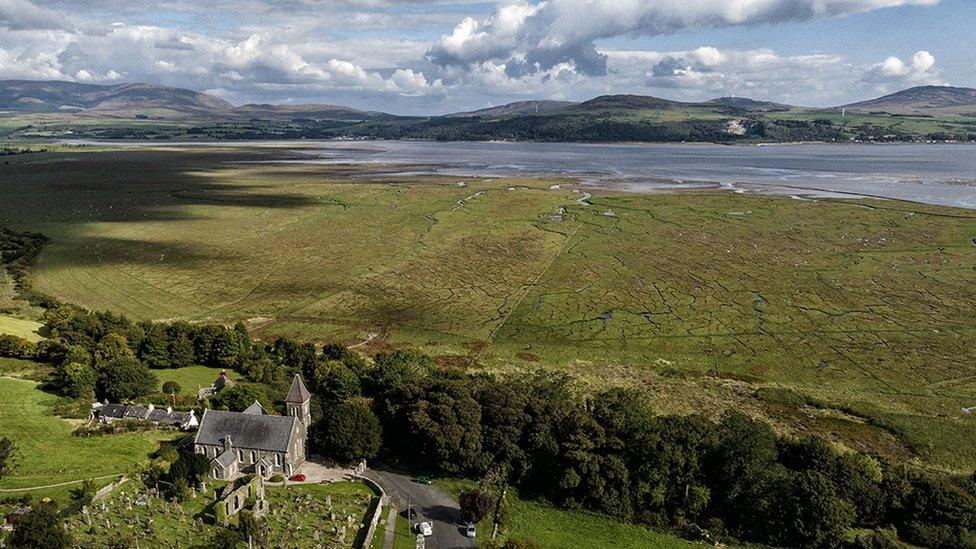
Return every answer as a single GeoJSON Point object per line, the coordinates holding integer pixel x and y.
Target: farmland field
{"type": "Point", "coordinates": [49, 454]}
{"type": "Point", "coordinates": [866, 308]}
{"type": "Point", "coordinates": [26, 329]}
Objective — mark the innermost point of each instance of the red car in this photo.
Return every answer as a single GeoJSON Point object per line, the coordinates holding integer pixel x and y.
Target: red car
{"type": "Point", "coordinates": [298, 478]}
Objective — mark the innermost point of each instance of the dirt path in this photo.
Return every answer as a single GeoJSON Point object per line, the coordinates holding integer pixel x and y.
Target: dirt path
{"type": "Point", "coordinates": [390, 528]}
{"type": "Point", "coordinates": [55, 485]}
{"type": "Point", "coordinates": [369, 337]}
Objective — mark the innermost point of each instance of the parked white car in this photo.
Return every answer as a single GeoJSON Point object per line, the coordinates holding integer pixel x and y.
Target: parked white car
{"type": "Point", "coordinates": [470, 531]}
{"type": "Point", "coordinates": [425, 528]}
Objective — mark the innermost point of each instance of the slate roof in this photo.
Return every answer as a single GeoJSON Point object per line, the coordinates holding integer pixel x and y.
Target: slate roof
{"type": "Point", "coordinates": [136, 411]}
{"type": "Point", "coordinates": [226, 458]}
{"type": "Point", "coordinates": [250, 431]}
{"type": "Point", "coordinates": [255, 408]}
{"type": "Point", "coordinates": [112, 410]}
{"type": "Point", "coordinates": [298, 393]}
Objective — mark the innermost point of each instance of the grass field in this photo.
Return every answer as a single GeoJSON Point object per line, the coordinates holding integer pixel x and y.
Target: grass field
{"type": "Point", "coordinates": [49, 454]}
{"type": "Point", "coordinates": [189, 378]}
{"type": "Point", "coordinates": [864, 306]}
{"type": "Point", "coordinates": [550, 527]}
{"type": "Point", "coordinates": [555, 528]}
{"type": "Point", "coordinates": [27, 329]}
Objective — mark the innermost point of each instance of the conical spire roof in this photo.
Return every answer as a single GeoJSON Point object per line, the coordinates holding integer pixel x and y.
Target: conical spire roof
{"type": "Point", "coordinates": [298, 393]}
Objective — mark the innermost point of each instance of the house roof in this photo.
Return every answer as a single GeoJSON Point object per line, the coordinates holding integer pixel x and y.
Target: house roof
{"type": "Point", "coordinates": [112, 410]}
{"type": "Point", "coordinates": [251, 431]}
{"type": "Point", "coordinates": [226, 458]}
{"type": "Point", "coordinates": [297, 393]}
{"type": "Point", "coordinates": [136, 411]}
{"type": "Point", "coordinates": [256, 408]}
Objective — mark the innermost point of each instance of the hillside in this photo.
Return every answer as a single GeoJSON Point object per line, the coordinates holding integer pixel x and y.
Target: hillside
{"type": "Point", "coordinates": [31, 96]}
{"type": "Point", "coordinates": [305, 111]}
{"type": "Point", "coordinates": [518, 107]}
{"type": "Point", "coordinates": [931, 100]}
{"type": "Point", "coordinates": [146, 111]}
{"type": "Point", "coordinates": [746, 104]}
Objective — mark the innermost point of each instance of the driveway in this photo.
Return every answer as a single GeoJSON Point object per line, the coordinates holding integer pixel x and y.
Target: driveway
{"type": "Point", "coordinates": [431, 503]}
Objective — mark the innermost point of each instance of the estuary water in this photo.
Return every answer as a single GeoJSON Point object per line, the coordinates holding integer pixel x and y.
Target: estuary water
{"type": "Point", "coordinates": [942, 174]}
{"type": "Point", "coordinates": [939, 174]}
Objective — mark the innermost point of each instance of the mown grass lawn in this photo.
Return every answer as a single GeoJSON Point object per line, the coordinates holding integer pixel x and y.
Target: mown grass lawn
{"type": "Point", "coordinates": [49, 454]}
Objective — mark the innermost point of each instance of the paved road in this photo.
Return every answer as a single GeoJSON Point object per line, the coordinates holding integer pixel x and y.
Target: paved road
{"type": "Point", "coordinates": [431, 503]}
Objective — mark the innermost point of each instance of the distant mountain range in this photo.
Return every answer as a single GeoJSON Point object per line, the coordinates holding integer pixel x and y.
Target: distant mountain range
{"type": "Point", "coordinates": [59, 108]}
{"type": "Point", "coordinates": [932, 100]}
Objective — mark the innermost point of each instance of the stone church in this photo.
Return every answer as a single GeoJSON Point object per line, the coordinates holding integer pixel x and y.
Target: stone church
{"type": "Point", "coordinates": [254, 441]}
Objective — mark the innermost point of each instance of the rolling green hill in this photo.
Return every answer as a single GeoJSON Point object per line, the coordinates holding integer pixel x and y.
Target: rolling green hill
{"type": "Point", "coordinates": [147, 112]}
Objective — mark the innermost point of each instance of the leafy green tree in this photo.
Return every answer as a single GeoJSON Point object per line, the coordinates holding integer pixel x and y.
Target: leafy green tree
{"type": "Point", "coordinates": [334, 382]}
{"type": "Point", "coordinates": [84, 493]}
{"type": "Point", "coordinates": [349, 431]}
{"type": "Point", "coordinates": [113, 347]}
{"type": "Point", "coordinates": [40, 528]}
{"type": "Point", "coordinates": [75, 380]}
{"type": "Point", "coordinates": [180, 345]}
{"type": "Point", "coordinates": [239, 397]}
{"type": "Point", "coordinates": [8, 456]}
{"type": "Point", "coordinates": [743, 461]}
{"type": "Point", "coordinates": [154, 349]}
{"type": "Point", "coordinates": [171, 388]}
{"type": "Point", "coordinates": [124, 379]}
{"type": "Point", "coordinates": [811, 514]}
{"type": "Point", "coordinates": [503, 420]}
{"type": "Point", "coordinates": [475, 505]}
{"type": "Point", "coordinates": [190, 467]}
{"type": "Point", "coordinates": [445, 424]}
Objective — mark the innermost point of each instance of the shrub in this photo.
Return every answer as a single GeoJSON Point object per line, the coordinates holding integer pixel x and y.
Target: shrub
{"type": "Point", "coordinates": [40, 527]}
{"type": "Point", "coordinates": [8, 456]}
{"type": "Point", "coordinates": [171, 388]}
{"type": "Point", "coordinates": [16, 347]}
{"type": "Point", "coordinates": [475, 505]}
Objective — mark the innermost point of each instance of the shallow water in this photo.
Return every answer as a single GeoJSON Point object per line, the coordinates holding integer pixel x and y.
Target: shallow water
{"type": "Point", "coordinates": [940, 174]}
{"type": "Point", "coordinates": [932, 174]}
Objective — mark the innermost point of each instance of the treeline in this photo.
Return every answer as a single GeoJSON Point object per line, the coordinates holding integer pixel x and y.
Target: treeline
{"type": "Point", "coordinates": [583, 128]}
{"type": "Point", "coordinates": [735, 479]}
{"type": "Point", "coordinates": [110, 356]}
{"type": "Point", "coordinates": [17, 250]}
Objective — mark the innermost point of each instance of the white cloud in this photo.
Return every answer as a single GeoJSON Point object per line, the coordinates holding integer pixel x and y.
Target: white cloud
{"type": "Point", "coordinates": [533, 37]}
{"type": "Point", "coordinates": [893, 71]}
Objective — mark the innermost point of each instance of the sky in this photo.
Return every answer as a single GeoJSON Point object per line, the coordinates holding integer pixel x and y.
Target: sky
{"type": "Point", "coordinates": [411, 57]}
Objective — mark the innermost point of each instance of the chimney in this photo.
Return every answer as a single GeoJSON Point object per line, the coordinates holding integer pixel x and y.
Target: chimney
{"type": "Point", "coordinates": [227, 444]}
